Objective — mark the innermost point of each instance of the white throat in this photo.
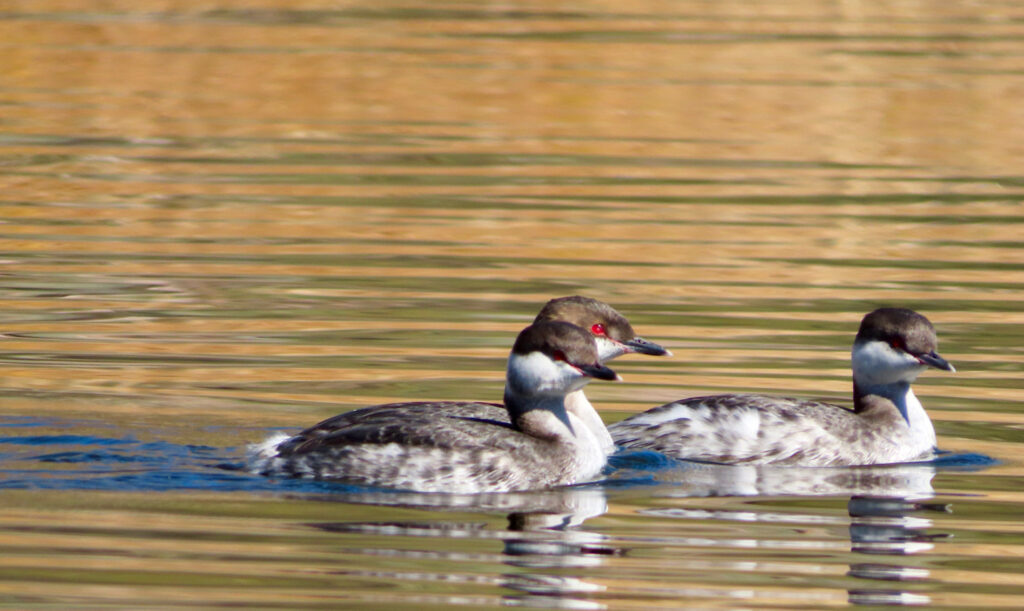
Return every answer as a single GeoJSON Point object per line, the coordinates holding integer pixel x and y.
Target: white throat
{"type": "Point", "coordinates": [577, 405]}
{"type": "Point", "coordinates": [917, 419]}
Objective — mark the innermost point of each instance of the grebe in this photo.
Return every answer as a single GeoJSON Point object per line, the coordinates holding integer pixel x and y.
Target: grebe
{"type": "Point", "coordinates": [429, 447]}
{"type": "Point", "coordinates": [886, 425]}
{"type": "Point", "coordinates": [613, 334]}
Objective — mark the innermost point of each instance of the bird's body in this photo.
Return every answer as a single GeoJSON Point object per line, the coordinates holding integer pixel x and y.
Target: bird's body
{"type": "Point", "coordinates": [453, 446]}
{"type": "Point", "coordinates": [887, 423]}
{"type": "Point", "coordinates": [760, 429]}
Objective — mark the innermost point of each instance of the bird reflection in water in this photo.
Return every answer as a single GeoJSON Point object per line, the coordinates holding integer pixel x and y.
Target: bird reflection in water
{"type": "Point", "coordinates": [543, 538]}
{"type": "Point", "coordinates": [891, 527]}
{"type": "Point", "coordinates": [886, 507]}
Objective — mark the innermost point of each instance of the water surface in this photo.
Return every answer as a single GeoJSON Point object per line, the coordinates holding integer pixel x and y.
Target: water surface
{"type": "Point", "coordinates": [221, 220]}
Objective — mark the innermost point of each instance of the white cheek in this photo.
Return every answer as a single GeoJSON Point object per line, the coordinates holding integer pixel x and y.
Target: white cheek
{"type": "Point", "coordinates": [878, 363]}
{"type": "Point", "coordinates": [536, 373]}
{"type": "Point", "coordinates": [608, 349]}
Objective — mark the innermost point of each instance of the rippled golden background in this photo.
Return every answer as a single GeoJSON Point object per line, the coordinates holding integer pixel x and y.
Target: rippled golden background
{"type": "Point", "coordinates": [218, 218]}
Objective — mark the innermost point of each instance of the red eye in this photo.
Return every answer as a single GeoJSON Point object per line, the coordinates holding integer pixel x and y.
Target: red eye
{"type": "Point", "coordinates": [896, 343]}
{"type": "Point", "coordinates": [558, 355]}
{"type": "Point", "coordinates": [597, 329]}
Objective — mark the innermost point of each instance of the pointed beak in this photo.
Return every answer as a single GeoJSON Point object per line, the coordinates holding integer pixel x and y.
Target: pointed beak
{"type": "Point", "coordinates": [641, 345]}
{"type": "Point", "coordinates": [932, 359]}
{"type": "Point", "coordinates": [598, 371]}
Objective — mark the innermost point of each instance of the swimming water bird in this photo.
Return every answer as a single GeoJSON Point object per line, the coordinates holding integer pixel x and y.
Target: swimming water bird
{"type": "Point", "coordinates": [426, 447]}
{"type": "Point", "coordinates": [886, 425]}
{"type": "Point", "coordinates": [613, 335]}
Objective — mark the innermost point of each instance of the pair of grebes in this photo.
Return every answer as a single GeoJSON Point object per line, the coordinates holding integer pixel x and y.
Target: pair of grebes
{"type": "Point", "coordinates": [548, 434]}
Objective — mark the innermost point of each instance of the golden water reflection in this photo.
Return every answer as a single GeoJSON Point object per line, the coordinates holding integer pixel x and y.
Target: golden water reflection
{"type": "Point", "coordinates": [219, 219]}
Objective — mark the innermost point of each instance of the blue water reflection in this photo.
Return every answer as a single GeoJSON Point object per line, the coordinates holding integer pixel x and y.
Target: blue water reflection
{"type": "Point", "coordinates": [125, 463]}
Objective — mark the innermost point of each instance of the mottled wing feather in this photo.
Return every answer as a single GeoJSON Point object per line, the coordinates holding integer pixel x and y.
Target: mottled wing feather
{"type": "Point", "coordinates": [745, 429]}
{"type": "Point", "coordinates": [390, 411]}
{"type": "Point", "coordinates": [414, 424]}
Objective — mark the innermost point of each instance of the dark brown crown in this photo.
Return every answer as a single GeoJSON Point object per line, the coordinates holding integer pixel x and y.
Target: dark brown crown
{"type": "Point", "coordinates": [586, 312]}
{"type": "Point", "coordinates": [912, 330]}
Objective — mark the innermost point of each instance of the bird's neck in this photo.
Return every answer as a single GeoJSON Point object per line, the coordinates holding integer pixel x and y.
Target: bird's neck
{"type": "Point", "coordinates": [539, 415]}
{"type": "Point", "coordinates": [902, 396]}
{"type": "Point", "coordinates": [576, 404]}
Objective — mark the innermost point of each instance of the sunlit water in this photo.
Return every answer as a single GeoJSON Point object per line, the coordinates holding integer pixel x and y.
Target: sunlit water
{"type": "Point", "coordinates": [223, 220]}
